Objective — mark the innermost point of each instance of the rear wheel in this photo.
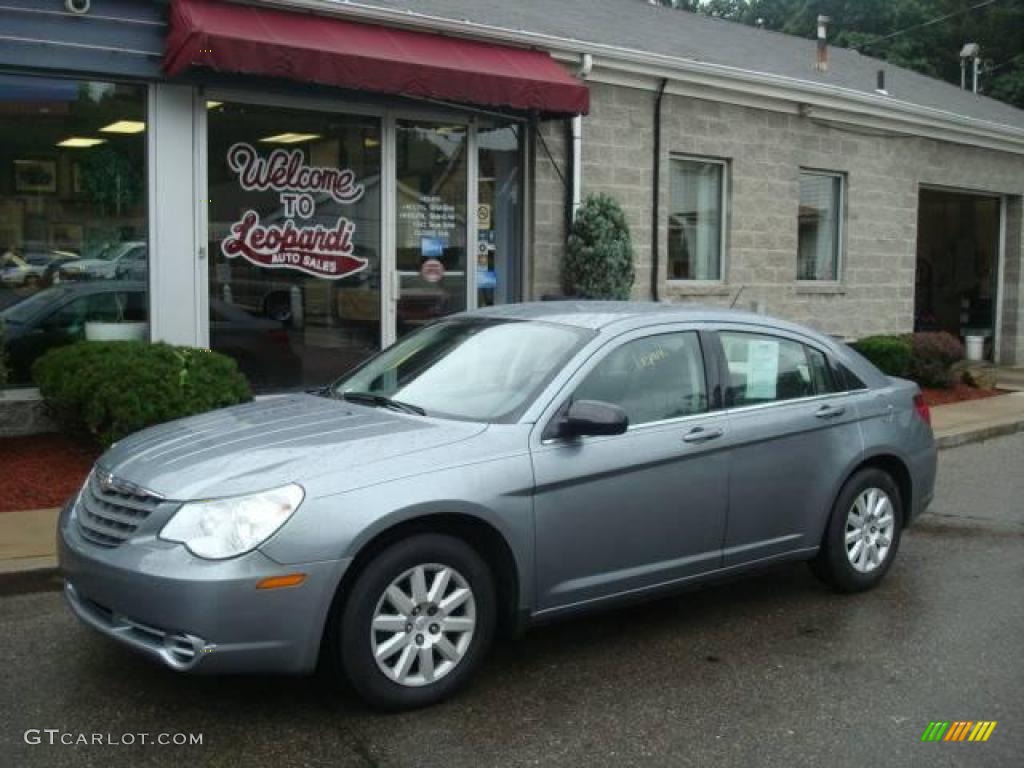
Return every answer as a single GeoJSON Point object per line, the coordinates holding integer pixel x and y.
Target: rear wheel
{"type": "Point", "coordinates": [417, 622]}
{"type": "Point", "coordinates": [863, 533]}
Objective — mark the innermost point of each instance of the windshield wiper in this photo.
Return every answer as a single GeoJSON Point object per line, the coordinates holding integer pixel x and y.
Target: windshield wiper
{"type": "Point", "coordinates": [368, 398]}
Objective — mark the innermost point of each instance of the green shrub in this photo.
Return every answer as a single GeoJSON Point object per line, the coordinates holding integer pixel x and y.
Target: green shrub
{"type": "Point", "coordinates": [111, 389]}
{"type": "Point", "coordinates": [599, 258]}
{"type": "Point", "coordinates": [932, 358]}
{"type": "Point", "coordinates": [890, 354]}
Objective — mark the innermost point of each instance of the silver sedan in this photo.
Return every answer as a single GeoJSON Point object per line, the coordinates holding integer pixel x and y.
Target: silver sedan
{"type": "Point", "coordinates": [491, 470]}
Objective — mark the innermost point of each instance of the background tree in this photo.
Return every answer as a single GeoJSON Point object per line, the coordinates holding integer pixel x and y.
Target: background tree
{"type": "Point", "coordinates": [931, 46]}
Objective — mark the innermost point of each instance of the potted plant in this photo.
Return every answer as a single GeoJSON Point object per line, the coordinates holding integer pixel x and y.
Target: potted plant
{"type": "Point", "coordinates": [119, 329]}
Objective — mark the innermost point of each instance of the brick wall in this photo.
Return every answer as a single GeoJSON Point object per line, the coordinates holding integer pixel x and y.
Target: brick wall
{"type": "Point", "coordinates": [765, 151]}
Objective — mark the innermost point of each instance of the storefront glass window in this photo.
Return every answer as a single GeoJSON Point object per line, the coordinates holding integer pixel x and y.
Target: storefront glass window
{"type": "Point", "coordinates": [430, 240]}
{"type": "Point", "coordinates": [499, 213]}
{"type": "Point", "coordinates": [295, 233]}
{"type": "Point", "coordinates": [73, 226]}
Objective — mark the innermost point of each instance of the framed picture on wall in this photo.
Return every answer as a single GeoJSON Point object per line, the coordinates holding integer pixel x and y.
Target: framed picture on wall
{"type": "Point", "coordinates": [35, 176]}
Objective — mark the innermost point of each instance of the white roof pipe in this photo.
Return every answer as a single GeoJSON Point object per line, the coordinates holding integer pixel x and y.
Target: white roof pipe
{"type": "Point", "coordinates": [576, 128]}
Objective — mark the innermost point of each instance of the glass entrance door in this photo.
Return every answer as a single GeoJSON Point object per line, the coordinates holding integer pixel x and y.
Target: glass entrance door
{"type": "Point", "coordinates": [431, 233]}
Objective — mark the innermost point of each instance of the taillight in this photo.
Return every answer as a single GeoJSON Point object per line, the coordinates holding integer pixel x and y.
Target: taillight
{"type": "Point", "coordinates": [922, 409]}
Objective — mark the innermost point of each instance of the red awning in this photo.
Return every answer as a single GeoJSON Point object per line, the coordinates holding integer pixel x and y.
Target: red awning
{"type": "Point", "coordinates": [228, 37]}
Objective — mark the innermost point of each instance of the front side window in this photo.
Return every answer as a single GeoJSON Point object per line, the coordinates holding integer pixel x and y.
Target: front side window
{"type": "Point", "coordinates": [820, 214]}
{"type": "Point", "coordinates": [695, 219]}
{"type": "Point", "coordinates": [72, 207]}
{"type": "Point", "coordinates": [470, 369]}
{"type": "Point", "coordinates": [651, 379]}
{"type": "Point", "coordinates": [765, 369]}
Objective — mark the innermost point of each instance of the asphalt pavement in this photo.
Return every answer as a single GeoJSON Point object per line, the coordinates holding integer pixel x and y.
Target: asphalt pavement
{"type": "Point", "coordinates": [773, 670]}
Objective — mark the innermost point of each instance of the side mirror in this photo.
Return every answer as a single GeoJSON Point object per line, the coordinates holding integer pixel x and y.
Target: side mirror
{"type": "Point", "coordinates": [593, 417]}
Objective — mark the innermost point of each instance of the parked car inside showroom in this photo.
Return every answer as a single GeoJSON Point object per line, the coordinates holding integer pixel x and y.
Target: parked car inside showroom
{"type": "Point", "coordinates": [491, 470]}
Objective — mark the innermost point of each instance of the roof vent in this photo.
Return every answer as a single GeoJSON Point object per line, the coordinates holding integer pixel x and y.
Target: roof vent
{"type": "Point", "coordinates": [880, 87]}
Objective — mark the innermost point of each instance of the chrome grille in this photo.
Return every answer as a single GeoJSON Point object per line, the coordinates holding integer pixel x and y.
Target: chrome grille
{"type": "Point", "coordinates": [110, 512]}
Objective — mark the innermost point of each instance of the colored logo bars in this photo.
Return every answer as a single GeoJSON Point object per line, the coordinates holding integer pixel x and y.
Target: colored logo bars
{"type": "Point", "coordinates": [959, 730]}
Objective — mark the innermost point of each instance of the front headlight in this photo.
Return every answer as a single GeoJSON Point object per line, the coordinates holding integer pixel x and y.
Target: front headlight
{"type": "Point", "coordinates": [224, 528]}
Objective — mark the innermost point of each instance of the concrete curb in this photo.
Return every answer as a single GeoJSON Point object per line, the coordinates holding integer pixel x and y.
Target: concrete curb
{"type": "Point", "coordinates": [44, 578]}
{"type": "Point", "coordinates": [977, 434]}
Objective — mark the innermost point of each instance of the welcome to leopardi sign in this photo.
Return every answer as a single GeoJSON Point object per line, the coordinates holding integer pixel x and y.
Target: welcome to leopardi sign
{"type": "Point", "coordinates": [293, 243]}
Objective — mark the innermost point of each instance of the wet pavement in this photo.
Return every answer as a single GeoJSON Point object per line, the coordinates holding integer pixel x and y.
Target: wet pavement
{"type": "Point", "coordinates": [774, 670]}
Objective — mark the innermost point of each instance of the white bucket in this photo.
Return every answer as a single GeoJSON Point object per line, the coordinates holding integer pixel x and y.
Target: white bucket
{"type": "Point", "coordinates": [975, 348]}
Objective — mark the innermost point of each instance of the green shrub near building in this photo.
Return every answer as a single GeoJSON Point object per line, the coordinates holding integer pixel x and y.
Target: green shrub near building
{"type": "Point", "coordinates": [599, 258]}
{"type": "Point", "coordinates": [928, 357]}
{"type": "Point", "coordinates": [890, 354]}
{"type": "Point", "coordinates": [111, 389]}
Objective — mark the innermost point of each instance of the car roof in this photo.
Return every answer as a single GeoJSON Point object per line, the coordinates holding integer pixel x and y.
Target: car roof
{"type": "Point", "coordinates": [599, 315]}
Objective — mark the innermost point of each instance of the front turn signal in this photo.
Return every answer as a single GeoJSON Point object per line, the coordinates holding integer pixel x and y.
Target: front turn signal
{"type": "Point", "coordinates": [276, 582]}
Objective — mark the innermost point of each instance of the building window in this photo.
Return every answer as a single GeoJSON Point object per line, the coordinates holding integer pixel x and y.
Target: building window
{"type": "Point", "coordinates": [819, 225]}
{"type": "Point", "coordinates": [73, 225]}
{"type": "Point", "coordinates": [696, 219]}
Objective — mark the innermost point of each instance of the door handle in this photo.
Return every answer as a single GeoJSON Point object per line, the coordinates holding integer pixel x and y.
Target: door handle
{"type": "Point", "coordinates": [701, 435]}
{"type": "Point", "coordinates": [830, 411]}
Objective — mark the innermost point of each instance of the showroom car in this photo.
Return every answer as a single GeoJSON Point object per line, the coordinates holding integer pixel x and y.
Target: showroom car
{"type": "Point", "coordinates": [492, 470]}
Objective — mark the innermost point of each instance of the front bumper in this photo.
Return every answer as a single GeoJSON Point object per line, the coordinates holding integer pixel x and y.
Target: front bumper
{"type": "Point", "coordinates": [197, 615]}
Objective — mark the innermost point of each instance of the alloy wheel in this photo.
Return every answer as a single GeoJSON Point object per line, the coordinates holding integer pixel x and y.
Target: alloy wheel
{"type": "Point", "coordinates": [423, 624]}
{"type": "Point", "coordinates": [869, 530]}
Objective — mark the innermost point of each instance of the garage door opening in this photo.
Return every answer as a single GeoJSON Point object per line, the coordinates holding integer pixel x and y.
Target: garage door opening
{"type": "Point", "coordinates": [957, 264]}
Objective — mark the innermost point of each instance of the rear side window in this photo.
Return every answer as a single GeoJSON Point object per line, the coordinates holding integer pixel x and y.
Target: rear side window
{"type": "Point", "coordinates": [767, 369]}
{"type": "Point", "coordinates": [847, 379]}
{"type": "Point", "coordinates": [651, 379]}
{"type": "Point", "coordinates": [821, 375]}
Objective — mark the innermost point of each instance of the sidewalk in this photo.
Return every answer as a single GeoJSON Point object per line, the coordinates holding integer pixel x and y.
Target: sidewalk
{"type": "Point", "coordinates": [976, 420]}
{"type": "Point", "coordinates": [27, 539]}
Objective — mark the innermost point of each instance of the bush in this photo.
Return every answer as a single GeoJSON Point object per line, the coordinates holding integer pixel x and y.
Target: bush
{"type": "Point", "coordinates": [111, 389]}
{"type": "Point", "coordinates": [932, 358]}
{"type": "Point", "coordinates": [599, 259]}
{"type": "Point", "coordinates": [890, 354]}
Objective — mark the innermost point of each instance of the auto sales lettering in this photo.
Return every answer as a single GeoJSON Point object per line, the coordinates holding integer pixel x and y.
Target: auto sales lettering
{"type": "Point", "coordinates": [321, 251]}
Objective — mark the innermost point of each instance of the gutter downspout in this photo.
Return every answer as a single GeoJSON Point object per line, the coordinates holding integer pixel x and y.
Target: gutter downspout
{"type": "Point", "coordinates": [656, 202]}
{"type": "Point", "coordinates": [576, 145]}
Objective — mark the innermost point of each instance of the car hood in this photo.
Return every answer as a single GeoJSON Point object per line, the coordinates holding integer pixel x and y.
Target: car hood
{"type": "Point", "coordinates": [271, 442]}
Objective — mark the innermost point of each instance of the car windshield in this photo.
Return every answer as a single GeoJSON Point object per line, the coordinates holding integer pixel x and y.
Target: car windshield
{"type": "Point", "coordinates": [475, 369]}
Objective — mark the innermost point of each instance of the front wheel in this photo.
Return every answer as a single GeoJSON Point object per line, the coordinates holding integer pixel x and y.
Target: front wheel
{"type": "Point", "coordinates": [417, 622]}
{"type": "Point", "coordinates": [863, 533]}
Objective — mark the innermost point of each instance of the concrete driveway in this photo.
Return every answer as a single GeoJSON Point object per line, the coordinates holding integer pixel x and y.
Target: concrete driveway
{"type": "Point", "coordinates": [771, 671]}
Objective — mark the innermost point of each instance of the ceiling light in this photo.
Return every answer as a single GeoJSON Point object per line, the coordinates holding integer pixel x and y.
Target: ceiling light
{"type": "Point", "coordinates": [290, 138]}
{"type": "Point", "coordinates": [213, 104]}
{"type": "Point", "coordinates": [124, 126]}
{"type": "Point", "coordinates": [80, 142]}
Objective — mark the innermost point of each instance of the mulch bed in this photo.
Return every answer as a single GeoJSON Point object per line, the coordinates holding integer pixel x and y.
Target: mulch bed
{"type": "Point", "coordinates": [42, 471]}
{"type": "Point", "coordinates": [958, 394]}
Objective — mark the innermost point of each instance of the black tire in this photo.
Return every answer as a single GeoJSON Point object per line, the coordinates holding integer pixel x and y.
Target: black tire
{"type": "Point", "coordinates": [349, 639]}
{"type": "Point", "coordinates": [833, 564]}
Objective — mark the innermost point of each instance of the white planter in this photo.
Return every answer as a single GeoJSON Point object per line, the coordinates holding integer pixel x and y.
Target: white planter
{"type": "Point", "coordinates": [975, 348]}
{"type": "Point", "coordinates": [116, 331]}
